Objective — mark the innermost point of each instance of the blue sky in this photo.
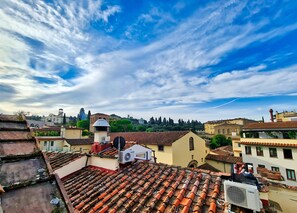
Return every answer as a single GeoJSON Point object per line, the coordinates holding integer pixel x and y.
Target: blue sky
{"type": "Point", "coordinates": [203, 60]}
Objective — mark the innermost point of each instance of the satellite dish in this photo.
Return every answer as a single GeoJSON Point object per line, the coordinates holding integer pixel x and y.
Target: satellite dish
{"type": "Point", "coordinates": [118, 140]}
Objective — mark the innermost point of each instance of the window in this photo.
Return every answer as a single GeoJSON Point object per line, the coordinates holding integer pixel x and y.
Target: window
{"type": "Point", "coordinates": [191, 143]}
{"type": "Point", "coordinates": [228, 131]}
{"type": "Point", "coordinates": [288, 154]}
{"type": "Point", "coordinates": [272, 152]}
{"type": "Point", "coordinates": [291, 174]}
{"type": "Point", "coordinates": [238, 144]}
{"type": "Point", "coordinates": [45, 143]}
{"type": "Point", "coordinates": [261, 166]}
{"type": "Point", "coordinates": [248, 150]}
{"type": "Point", "coordinates": [160, 148]}
{"type": "Point", "coordinates": [223, 131]}
{"type": "Point", "coordinates": [276, 169]}
{"type": "Point", "coordinates": [52, 143]}
{"type": "Point", "coordinates": [219, 131]}
{"type": "Point", "coordinates": [259, 150]}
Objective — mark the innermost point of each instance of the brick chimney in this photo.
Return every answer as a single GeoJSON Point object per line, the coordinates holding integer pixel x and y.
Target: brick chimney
{"type": "Point", "coordinates": [271, 115]}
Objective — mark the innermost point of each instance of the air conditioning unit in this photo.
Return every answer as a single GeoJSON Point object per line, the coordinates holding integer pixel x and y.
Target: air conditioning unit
{"type": "Point", "coordinates": [127, 156]}
{"type": "Point", "coordinates": [243, 195]}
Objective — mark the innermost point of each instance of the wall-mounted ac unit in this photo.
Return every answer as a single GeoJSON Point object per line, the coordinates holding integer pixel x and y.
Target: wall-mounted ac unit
{"type": "Point", "coordinates": [243, 195]}
{"type": "Point", "coordinates": [127, 156]}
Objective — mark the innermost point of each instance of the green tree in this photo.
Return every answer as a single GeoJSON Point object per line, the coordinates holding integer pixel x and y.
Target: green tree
{"type": "Point", "coordinates": [64, 119]}
{"type": "Point", "coordinates": [89, 115]}
{"type": "Point", "coordinates": [85, 124]}
{"type": "Point", "coordinates": [121, 125]}
{"type": "Point", "coordinates": [219, 140]}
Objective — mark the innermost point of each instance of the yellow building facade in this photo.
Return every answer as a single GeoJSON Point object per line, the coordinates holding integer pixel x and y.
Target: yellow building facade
{"type": "Point", "coordinates": [69, 139]}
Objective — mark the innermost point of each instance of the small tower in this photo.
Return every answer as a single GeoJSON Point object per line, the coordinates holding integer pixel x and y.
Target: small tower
{"type": "Point", "coordinates": [271, 115]}
{"type": "Point", "coordinates": [101, 141]}
{"type": "Point", "coordinates": [60, 113]}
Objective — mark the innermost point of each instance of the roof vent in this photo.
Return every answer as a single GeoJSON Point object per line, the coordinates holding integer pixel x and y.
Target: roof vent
{"type": "Point", "coordinates": [242, 195]}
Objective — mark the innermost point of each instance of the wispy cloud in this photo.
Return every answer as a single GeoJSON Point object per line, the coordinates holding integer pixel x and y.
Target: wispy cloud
{"type": "Point", "coordinates": [174, 69]}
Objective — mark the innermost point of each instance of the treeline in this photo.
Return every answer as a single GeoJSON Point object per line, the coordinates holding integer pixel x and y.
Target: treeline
{"type": "Point", "coordinates": [153, 125]}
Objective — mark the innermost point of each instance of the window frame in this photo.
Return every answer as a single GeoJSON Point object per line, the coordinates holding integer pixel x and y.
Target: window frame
{"type": "Point", "coordinates": [161, 148]}
{"type": "Point", "coordinates": [248, 148]}
{"type": "Point", "coordinates": [191, 144]}
{"type": "Point", "coordinates": [273, 148]}
{"type": "Point", "coordinates": [261, 166]}
{"type": "Point", "coordinates": [275, 168]}
{"type": "Point", "coordinates": [259, 152]}
{"type": "Point", "coordinates": [290, 172]}
{"type": "Point", "coordinates": [52, 143]}
{"type": "Point", "coordinates": [291, 155]}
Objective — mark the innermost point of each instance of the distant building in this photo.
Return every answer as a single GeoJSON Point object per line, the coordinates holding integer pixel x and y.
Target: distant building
{"type": "Point", "coordinates": [222, 158]}
{"type": "Point", "coordinates": [230, 127]}
{"type": "Point", "coordinates": [286, 116]}
{"type": "Point", "coordinates": [95, 117]}
{"type": "Point", "coordinates": [63, 139]}
{"type": "Point", "coordinates": [56, 119]}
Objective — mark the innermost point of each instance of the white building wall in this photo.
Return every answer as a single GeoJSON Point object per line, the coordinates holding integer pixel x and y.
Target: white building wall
{"type": "Point", "coordinates": [72, 167]}
{"type": "Point", "coordinates": [268, 161]}
{"type": "Point", "coordinates": [106, 163]}
{"type": "Point", "coordinates": [51, 145]}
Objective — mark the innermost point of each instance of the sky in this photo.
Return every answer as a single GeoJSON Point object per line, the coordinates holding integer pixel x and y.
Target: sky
{"type": "Point", "coordinates": [191, 59]}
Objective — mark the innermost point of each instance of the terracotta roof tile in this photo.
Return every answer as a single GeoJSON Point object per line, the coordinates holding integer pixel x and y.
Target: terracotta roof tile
{"type": "Point", "coordinates": [271, 125]}
{"type": "Point", "coordinates": [11, 118]}
{"type": "Point", "coordinates": [144, 187]}
{"type": "Point", "coordinates": [23, 170]}
{"type": "Point", "coordinates": [224, 158]}
{"type": "Point", "coordinates": [150, 138]}
{"type": "Point", "coordinates": [17, 148]}
{"type": "Point", "coordinates": [15, 135]}
{"type": "Point", "coordinates": [83, 141]}
{"type": "Point", "coordinates": [269, 144]}
{"type": "Point", "coordinates": [58, 160]}
{"type": "Point", "coordinates": [13, 126]}
{"type": "Point", "coordinates": [206, 166]}
{"type": "Point", "coordinates": [223, 150]}
{"type": "Point", "coordinates": [112, 152]}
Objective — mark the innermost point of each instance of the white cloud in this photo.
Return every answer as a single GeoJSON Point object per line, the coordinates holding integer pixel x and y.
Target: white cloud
{"type": "Point", "coordinates": [172, 69]}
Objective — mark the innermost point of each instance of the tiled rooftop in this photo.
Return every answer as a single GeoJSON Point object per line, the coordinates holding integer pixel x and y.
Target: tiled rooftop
{"type": "Point", "coordinates": [17, 148]}
{"type": "Point", "coordinates": [271, 125]}
{"type": "Point", "coordinates": [145, 187]}
{"type": "Point", "coordinates": [34, 198]}
{"type": "Point", "coordinates": [269, 143]}
{"type": "Point", "coordinates": [112, 152]}
{"type": "Point", "coordinates": [8, 118]}
{"type": "Point", "coordinates": [58, 160]}
{"type": "Point", "coordinates": [223, 150]}
{"type": "Point", "coordinates": [24, 176]}
{"type": "Point", "coordinates": [224, 158]}
{"type": "Point", "coordinates": [12, 171]}
{"type": "Point", "coordinates": [15, 135]}
{"type": "Point", "coordinates": [206, 166]}
{"type": "Point", "coordinates": [13, 125]}
{"type": "Point", "coordinates": [83, 141]}
{"type": "Point", "coordinates": [150, 138]}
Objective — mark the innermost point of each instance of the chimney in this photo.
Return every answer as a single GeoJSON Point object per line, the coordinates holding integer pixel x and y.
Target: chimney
{"type": "Point", "coordinates": [271, 115]}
